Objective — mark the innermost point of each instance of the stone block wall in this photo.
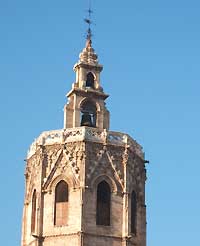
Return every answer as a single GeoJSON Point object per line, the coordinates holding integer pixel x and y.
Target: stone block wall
{"type": "Point", "coordinates": [83, 165]}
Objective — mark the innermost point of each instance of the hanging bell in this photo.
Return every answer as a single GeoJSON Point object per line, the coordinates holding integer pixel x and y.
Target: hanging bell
{"type": "Point", "coordinates": [86, 120]}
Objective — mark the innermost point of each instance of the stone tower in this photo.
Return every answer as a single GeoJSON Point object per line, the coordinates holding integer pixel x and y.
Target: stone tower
{"type": "Point", "coordinates": [85, 185]}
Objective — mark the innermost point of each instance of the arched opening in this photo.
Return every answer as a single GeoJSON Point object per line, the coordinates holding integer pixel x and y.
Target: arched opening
{"type": "Point", "coordinates": [61, 204]}
{"type": "Point", "coordinates": [88, 114]}
{"type": "Point", "coordinates": [90, 80]}
{"type": "Point", "coordinates": [133, 212]}
{"type": "Point", "coordinates": [33, 212]}
{"type": "Point", "coordinates": [103, 204]}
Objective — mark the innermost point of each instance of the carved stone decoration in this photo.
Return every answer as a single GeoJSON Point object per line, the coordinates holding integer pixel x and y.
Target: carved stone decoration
{"type": "Point", "coordinates": [95, 162]}
{"type": "Point", "coordinates": [69, 135]}
{"type": "Point", "coordinates": [84, 170]}
{"type": "Point", "coordinates": [54, 168]}
{"type": "Point", "coordinates": [32, 173]}
{"type": "Point", "coordinates": [105, 164]}
{"type": "Point", "coordinates": [73, 164]}
{"type": "Point", "coordinates": [52, 157]}
{"type": "Point", "coordinates": [117, 173]}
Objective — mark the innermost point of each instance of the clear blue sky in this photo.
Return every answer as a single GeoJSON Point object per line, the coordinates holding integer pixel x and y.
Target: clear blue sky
{"type": "Point", "coordinates": [151, 56]}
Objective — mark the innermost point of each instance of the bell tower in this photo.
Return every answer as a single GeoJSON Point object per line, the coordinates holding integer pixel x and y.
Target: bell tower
{"type": "Point", "coordinates": [86, 106]}
{"type": "Point", "coordinates": [85, 184]}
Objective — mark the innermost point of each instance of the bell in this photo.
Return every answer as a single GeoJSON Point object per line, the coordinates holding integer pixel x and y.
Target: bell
{"type": "Point", "coordinates": [86, 120]}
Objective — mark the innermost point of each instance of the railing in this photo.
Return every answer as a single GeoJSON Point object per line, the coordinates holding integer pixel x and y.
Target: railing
{"type": "Point", "coordinates": [84, 133]}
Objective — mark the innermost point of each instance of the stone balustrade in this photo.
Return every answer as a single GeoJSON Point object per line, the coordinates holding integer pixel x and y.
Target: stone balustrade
{"type": "Point", "coordinates": [84, 134]}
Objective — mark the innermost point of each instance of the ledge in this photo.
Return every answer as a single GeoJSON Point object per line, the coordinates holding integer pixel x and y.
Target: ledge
{"type": "Point", "coordinates": [83, 133]}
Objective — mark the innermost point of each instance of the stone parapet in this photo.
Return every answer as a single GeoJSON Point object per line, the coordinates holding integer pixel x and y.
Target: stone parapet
{"type": "Point", "coordinates": [85, 134]}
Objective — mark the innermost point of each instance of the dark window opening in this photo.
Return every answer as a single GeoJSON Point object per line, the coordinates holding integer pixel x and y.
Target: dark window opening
{"type": "Point", "coordinates": [33, 212]}
{"type": "Point", "coordinates": [133, 212]}
{"type": "Point", "coordinates": [103, 204]}
{"type": "Point", "coordinates": [88, 114]}
{"type": "Point", "coordinates": [61, 204]}
{"type": "Point", "coordinates": [90, 80]}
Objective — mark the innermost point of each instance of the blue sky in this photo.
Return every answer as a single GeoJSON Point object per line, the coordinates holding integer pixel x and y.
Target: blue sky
{"type": "Point", "coordinates": [151, 56]}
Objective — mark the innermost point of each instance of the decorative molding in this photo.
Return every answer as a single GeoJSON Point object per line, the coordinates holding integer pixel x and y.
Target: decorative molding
{"type": "Point", "coordinates": [54, 168]}
{"type": "Point", "coordinates": [73, 164]}
{"type": "Point", "coordinates": [117, 173]}
{"type": "Point", "coordinates": [108, 179]}
{"type": "Point", "coordinates": [85, 134]}
{"type": "Point", "coordinates": [52, 184]}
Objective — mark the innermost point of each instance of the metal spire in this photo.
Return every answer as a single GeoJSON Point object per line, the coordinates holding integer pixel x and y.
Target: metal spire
{"type": "Point", "coordinates": [89, 22]}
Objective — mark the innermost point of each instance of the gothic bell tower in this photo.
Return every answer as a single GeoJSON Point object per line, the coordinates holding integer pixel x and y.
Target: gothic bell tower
{"type": "Point", "coordinates": [85, 184]}
{"type": "Point", "coordinates": [86, 106]}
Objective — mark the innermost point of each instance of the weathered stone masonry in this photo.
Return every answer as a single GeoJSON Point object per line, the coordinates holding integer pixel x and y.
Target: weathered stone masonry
{"type": "Point", "coordinates": [85, 185]}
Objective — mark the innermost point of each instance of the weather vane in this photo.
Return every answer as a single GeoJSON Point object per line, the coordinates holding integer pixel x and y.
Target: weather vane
{"type": "Point", "coordinates": [89, 22]}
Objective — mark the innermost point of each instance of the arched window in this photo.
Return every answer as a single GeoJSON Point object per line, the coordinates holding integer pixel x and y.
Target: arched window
{"type": "Point", "coordinates": [90, 80]}
{"type": "Point", "coordinates": [61, 204]}
{"type": "Point", "coordinates": [33, 212]}
{"type": "Point", "coordinates": [88, 114]}
{"type": "Point", "coordinates": [103, 204]}
{"type": "Point", "coordinates": [133, 212]}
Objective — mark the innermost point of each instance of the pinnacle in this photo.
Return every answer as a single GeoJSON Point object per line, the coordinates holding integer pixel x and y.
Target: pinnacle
{"type": "Point", "coordinates": [88, 43]}
{"type": "Point", "coordinates": [88, 54]}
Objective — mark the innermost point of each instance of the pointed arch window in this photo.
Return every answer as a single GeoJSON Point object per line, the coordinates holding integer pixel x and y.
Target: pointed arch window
{"type": "Point", "coordinates": [90, 80]}
{"type": "Point", "coordinates": [33, 212]}
{"type": "Point", "coordinates": [88, 114]}
{"type": "Point", "coordinates": [61, 204]}
{"type": "Point", "coordinates": [133, 212]}
{"type": "Point", "coordinates": [103, 204]}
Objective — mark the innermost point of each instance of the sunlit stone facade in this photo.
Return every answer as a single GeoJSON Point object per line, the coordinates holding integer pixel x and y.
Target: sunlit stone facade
{"type": "Point", "coordinates": [85, 184]}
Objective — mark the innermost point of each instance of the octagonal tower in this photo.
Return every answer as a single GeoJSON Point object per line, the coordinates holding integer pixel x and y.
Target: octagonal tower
{"type": "Point", "coordinates": [85, 184]}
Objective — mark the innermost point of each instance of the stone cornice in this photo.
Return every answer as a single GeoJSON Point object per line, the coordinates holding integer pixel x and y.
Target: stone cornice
{"type": "Point", "coordinates": [87, 92]}
{"type": "Point", "coordinates": [96, 67]}
{"type": "Point", "coordinates": [79, 134]}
